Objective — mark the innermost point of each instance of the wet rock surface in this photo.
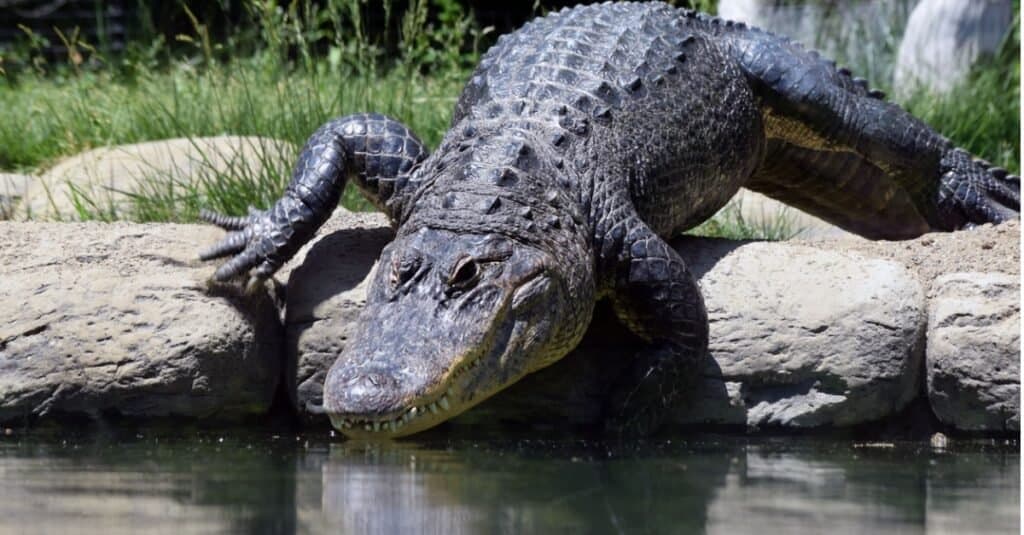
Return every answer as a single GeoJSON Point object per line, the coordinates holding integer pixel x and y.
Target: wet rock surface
{"type": "Point", "coordinates": [117, 318]}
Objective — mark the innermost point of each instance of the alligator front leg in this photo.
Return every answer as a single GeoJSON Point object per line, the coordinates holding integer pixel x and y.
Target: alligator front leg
{"type": "Point", "coordinates": [656, 297]}
{"type": "Point", "coordinates": [378, 152]}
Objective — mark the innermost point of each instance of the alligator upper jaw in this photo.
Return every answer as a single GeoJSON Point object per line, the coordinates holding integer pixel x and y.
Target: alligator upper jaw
{"type": "Point", "coordinates": [420, 414]}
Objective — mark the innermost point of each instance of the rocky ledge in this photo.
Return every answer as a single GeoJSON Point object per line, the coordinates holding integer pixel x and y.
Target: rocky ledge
{"type": "Point", "coordinates": [120, 318]}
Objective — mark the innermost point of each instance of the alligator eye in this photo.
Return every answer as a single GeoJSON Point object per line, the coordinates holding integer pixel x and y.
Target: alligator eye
{"type": "Point", "coordinates": [404, 270]}
{"type": "Point", "coordinates": [465, 274]}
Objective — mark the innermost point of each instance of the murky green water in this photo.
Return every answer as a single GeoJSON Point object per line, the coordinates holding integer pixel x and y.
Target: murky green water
{"type": "Point", "coordinates": [203, 482]}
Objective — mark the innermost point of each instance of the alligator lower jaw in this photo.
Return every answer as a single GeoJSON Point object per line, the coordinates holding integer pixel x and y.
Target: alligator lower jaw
{"type": "Point", "coordinates": [412, 420]}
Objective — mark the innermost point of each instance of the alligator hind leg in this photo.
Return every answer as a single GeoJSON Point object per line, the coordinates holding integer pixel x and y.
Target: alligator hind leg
{"type": "Point", "coordinates": [843, 153]}
{"type": "Point", "coordinates": [656, 297]}
{"type": "Point", "coordinates": [378, 152]}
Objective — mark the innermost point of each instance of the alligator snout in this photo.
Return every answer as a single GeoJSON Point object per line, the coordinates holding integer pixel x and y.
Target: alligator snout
{"type": "Point", "coordinates": [362, 392]}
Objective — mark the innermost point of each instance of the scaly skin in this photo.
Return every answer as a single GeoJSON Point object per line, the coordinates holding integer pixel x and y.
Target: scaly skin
{"type": "Point", "coordinates": [580, 143]}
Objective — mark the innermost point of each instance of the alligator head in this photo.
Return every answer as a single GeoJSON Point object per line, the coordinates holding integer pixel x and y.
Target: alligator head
{"type": "Point", "coordinates": [452, 318]}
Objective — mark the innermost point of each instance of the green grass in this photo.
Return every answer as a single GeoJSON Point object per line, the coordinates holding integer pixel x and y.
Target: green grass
{"type": "Point", "coordinates": [299, 64]}
{"type": "Point", "coordinates": [280, 91]}
{"type": "Point", "coordinates": [58, 119]}
{"type": "Point", "coordinates": [730, 223]}
{"type": "Point", "coordinates": [982, 115]}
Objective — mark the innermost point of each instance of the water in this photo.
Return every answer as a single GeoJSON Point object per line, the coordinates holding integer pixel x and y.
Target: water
{"type": "Point", "coordinates": [206, 482]}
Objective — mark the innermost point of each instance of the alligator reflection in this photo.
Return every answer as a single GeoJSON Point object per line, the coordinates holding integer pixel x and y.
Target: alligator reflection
{"type": "Point", "coordinates": [582, 487]}
{"type": "Point", "coordinates": [181, 482]}
{"type": "Point", "coordinates": [768, 487]}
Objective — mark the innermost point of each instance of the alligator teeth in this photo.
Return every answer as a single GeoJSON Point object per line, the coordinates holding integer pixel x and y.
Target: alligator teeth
{"type": "Point", "coordinates": [433, 408]}
{"type": "Point", "coordinates": [443, 402]}
{"type": "Point", "coordinates": [413, 411]}
{"type": "Point", "coordinates": [368, 427]}
{"type": "Point", "coordinates": [376, 426]}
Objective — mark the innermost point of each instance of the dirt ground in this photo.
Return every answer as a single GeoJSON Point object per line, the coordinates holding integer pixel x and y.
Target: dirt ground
{"type": "Point", "coordinates": [986, 248]}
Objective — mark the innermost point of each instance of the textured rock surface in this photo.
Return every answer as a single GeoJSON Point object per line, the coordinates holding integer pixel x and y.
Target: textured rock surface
{"type": "Point", "coordinates": [102, 175]}
{"type": "Point", "coordinates": [944, 38]}
{"type": "Point", "coordinates": [990, 248]}
{"type": "Point", "coordinates": [801, 337]}
{"type": "Point", "coordinates": [974, 351]}
{"type": "Point", "coordinates": [326, 291]}
{"type": "Point", "coordinates": [117, 317]}
{"type": "Point", "coordinates": [804, 337]}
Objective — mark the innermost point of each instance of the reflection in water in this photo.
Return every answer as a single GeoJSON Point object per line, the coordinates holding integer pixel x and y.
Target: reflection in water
{"type": "Point", "coordinates": [264, 484]}
{"type": "Point", "coordinates": [582, 487]}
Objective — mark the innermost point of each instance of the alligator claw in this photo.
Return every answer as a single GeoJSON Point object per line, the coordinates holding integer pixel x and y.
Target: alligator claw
{"type": "Point", "coordinates": [973, 192]}
{"type": "Point", "coordinates": [248, 244]}
{"type": "Point", "coordinates": [224, 221]}
{"type": "Point", "coordinates": [233, 243]}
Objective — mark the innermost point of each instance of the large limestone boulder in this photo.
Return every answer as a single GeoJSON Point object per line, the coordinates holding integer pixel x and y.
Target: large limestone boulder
{"type": "Point", "coordinates": [974, 351]}
{"type": "Point", "coordinates": [98, 318]}
{"type": "Point", "coordinates": [804, 337]}
{"type": "Point", "coordinates": [945, 38]}
{"type": "Point", "coordinates": [801, 337]}
{"type": "Point", "coordinates": [102, 179]}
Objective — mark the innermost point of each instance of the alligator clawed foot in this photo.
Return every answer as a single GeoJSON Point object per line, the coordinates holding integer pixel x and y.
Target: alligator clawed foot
{"type": "Point", "coordinates": [973, 192]}
{"type": "Point", "coordinates": [249, 243]}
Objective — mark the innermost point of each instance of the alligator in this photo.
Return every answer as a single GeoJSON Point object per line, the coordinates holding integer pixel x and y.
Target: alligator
{"type": "Point", "coordinates": [579, 144]}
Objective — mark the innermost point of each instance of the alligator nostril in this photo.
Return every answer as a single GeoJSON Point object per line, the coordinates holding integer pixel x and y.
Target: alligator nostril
{"type": "Point", "coordinates": [367, 393]}
{"type": "Point", "coordinates": [368, 384]}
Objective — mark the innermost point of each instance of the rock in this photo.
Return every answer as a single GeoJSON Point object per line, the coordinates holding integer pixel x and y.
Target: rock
{"type": "Point", "coordinates": [12, 189]}
{"type": "Point", "coordinates": [759, 211]}
{"type": "Point", "coordinates": [945, 38]}
{"type": "Point", "coordinates": [992, 248]}
{"type": "Point", "coordinates": [326, 291]}
{"type": "Point", "coordinates": [801, 337]}
{"type": "Point", "coordinates": [98, 318]}
{"type": "Point", "coordinates": [119, 318]}
{"type": "Point", "coordinates": [974, 351]}
{"type": "Point", "coordinates": [859, 33]}
{"type": "Point", "coordinates": [101, 178]}
{"type": "Point", "coordinates": [804, 337]}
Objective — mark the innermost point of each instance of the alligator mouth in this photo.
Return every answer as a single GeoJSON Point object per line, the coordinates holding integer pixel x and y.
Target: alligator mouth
{"type": "Point", "coordinates": [420, 415]}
